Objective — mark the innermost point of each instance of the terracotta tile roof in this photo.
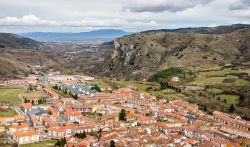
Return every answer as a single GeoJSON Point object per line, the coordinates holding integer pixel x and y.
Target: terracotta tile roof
{"type": "Point", "coordinates": [141, 117]}
{"type": "Point", "coordinates": [25, 133]}
{"type": "Point", "coordinates": [72, 113]}
{"type": "Point", "coordinates": [23, 125]}
{"type": "Point", "coordinates": [19, 117]}
{"type": "Point", "coordinates": [191, 141]}
{"type": "Point", "coordinates": [235, 128]}
{"type": "Point", "coordinates": [53, 110]}
{"type": "Point", "coordinates": [61, 128]}
{"type": "Point", "coordinates": [26, 105]}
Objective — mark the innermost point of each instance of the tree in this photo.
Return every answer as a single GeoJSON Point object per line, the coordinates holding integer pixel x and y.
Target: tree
{"type": "Point", "coordinates": [65, 91]}
{"type": "Point", "coordinates": [122, 115]}
{"type": "Point", "coordinates": [99, 134]}
{"type": "Point", "coordinates": [97, 88]}
{"type": "Point", "coordinates": [112, 143]}
{"type": "Point", "coordinates": [205, 108]}
{"type": "Point", "coordinates": [84, 134]}
{"type": "Point", "coordinates": [81, 135]}
{"type": "Point", "coordinates": [55, 87]}
{"type": "Point", "coordinates": [25, 100]}
{"type": "Point", "coordinates": [30, 88]}
{"type": "Point", "coordinates": [75, 96]}
{"type": "Point", "coordinates": [241, 98]}
{"type": "Point", "coordinates": [232, 109]}
{"type": "Point", "coordinates": [61, 142]}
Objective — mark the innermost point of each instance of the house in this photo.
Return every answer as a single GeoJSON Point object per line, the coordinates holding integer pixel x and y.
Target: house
{"type": "Point", "coordinates": [61, 131]}
{"type": "Point", "coordinates": [47, 122]}
{"type": "Point", "coordinates": [26, 107]}
{"type": "Point", "coordinates": [54, 111]}
{"type": "Point", "coordinates": [108, 119]}
{"type": "Point", "coordinates": [236, 121]}
{"type": "Point", "coordinates": [10, 120]}
{"type": "Point", "coordinates": [73, 116]}
{"type": "Point", "coordinates": [235, 131]}
{"type": "Point", "coordinates": [141, 119]}
{"type": "Point", "coordinates": [82, 108]}
{"type": "Point", "coordinates": [50, 93]}
{"type": "Point", "coordinates": [19, 118]}
{"type": "Point", "coordinates": [25, 137]}
{"type": "Point", "coordinates": [18, 127]}
{"type": "Point", "coordinates": [58, 106]}
{"type": "Point", "coordinates": [167, 127]}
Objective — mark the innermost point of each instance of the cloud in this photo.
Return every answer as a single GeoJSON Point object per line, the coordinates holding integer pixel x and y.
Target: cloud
{"type": "Point", "coordinates": [34, 21]}
{"type": "Point", "coordinates": [161, 5]}
{"type": "Point", "coordinates": [240, 5]}
{"type": "Point", "coordinates": [27, 20]}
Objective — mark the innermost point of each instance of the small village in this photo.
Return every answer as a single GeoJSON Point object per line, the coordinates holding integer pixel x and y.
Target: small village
{"type": "Point", "coordinates": [89, 117]}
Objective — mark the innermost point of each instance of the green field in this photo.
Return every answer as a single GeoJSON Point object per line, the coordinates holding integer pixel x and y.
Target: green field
{"type": "Point", "coordinates": [7, 113]}
{"type": "Point", "coordinates": [241, 82]}
{"type": "Point", "coordinates": [214, 91]}
{"type": "Point", "coordinates": [143, 86]}
{"type": "Point", "coordinates": [218, 73]}
{"type": "Point", "coordinates": [32, 95]}
{"type": "Point", "coordinates": [11, 94]}
{"type": "Point", "coordinates": [140, 86]}
{"type": "Point", "coordinates": [215, 77]}
{"type": "Point", "coordinates": [46, 143]}
{"type": "Point", "coordinates": [208, 81]}
{"type": "Point", "coordinates": [232, 99]}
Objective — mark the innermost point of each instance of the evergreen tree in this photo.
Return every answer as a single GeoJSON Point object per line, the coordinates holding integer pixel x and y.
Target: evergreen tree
{"type": "Point", "coordinates": [122, 115]}
{"type": "Point", "coordinates": [65, 91]}
{"type": "Point", "coordinates": [75, 96]}
{"type": "Point", "coordinates": [112, 143]}
{"type": "Point", "coordinates": [55, 87]}
{"type": "Point", "coordinates": [99, 134]}
{"type": "Point", "coordinates": [61, 142]}
{"type": "Point", "coordinates": [25, 100]}
{"type": "Point", "coordinates": [205, 108]}
{"type": "Point", "coordinates": [241, 98]}
{"type": "Point", "coordinates": [84, 134]}
{"type": "Point", "coordinates": [232, 109]}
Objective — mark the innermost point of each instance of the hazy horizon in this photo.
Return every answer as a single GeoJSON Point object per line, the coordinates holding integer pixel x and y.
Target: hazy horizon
{"type": "Point", "coordinates": [129, 15]}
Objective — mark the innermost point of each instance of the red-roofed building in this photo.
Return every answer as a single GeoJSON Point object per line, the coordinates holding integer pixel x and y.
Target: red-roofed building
{"type": "Point", "coordinates": [73, 116]}
{"type": "Point", "coordinates": [25, 137]}
{"type": "Point", "coordinates": [18, 127]}
{"type": "Point", "coordinates": [26, 107]}
{"type": "Point", "coordinates": [61, 131]}
{"type": "Point", "coordinates": [142, 119]}
{"type": "Point", "coordinates": [54, 111]}
{"type": "Point", "coordinates": [50, 93]}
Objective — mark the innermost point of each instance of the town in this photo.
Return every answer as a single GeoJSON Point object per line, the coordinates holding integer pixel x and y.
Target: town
{"type": "Point", "coordinates": [122, 117]}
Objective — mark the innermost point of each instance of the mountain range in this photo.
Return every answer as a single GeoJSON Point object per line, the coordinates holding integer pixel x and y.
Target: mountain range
{"type": "Point", "coordinates": [103, 34]}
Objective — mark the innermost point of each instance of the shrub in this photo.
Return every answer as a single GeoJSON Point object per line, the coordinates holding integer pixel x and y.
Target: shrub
{"type": "Point", "coordinates": [166, 74]}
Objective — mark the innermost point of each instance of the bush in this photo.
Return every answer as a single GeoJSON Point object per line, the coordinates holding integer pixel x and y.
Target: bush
{"type": "Point", "coordinates": [166, 74]}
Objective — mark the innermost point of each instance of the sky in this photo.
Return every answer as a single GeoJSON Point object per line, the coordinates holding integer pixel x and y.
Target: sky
{"type": "Point", "coordinates": [130, 15]}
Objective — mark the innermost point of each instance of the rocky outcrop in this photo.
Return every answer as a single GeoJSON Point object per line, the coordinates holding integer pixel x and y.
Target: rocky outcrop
{"type": "Point", "coordinates": [138, 56]}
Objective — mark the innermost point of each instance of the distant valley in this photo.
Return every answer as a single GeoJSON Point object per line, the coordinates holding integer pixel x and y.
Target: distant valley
{"type": "Point", "coordinates": [97, 35]}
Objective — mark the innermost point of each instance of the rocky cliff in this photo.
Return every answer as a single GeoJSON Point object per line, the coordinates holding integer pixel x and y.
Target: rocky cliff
{"type": "Point", "coordinates": [138, 56]}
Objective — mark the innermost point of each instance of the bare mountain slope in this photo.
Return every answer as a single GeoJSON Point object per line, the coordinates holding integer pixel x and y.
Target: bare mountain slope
{"type": "Point", "coordinates": [8, 40]}
{"type": "Point", "coordinates": [139, 56]}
